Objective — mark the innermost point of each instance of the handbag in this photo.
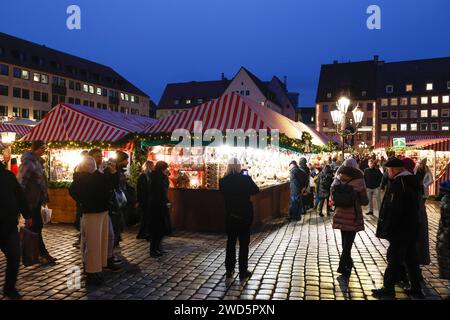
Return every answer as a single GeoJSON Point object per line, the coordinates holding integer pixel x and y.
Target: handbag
{"type": "Point", "coordinates": [46, 214]}
{"type": "Point", "coordinates": [121, 199]}
{"type": "Point", "coordinates": [30, 247]}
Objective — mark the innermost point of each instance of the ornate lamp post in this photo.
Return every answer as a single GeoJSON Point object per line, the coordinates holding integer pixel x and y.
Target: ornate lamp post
{"type": "Point", "coordinates": [8, 137]}
{"type": "Point", "coordinates": [339, 120]}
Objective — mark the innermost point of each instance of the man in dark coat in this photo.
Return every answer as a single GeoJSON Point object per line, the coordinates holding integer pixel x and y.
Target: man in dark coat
{"type": "Point", "coordinates": [298, 180]}
{"type": "Point", "coordinates": [325, 181]}
{"type": "Point", "coordinates": [237, 189]}
{"type": "Point", "coordinates": [373, 177]}
{"type": "Point", "coordinates": [13, 203]}
{"type": "Point", "coordinates": [307, 194]}
{"type": "Point", "coordinates": [144, 199]}
{"type": "Point", "coordinates": [399, 224]}
{"type": "Point", "coordinates": [159, 208]}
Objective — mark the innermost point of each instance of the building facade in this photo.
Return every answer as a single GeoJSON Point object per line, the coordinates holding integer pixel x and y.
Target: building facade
{"type": "Point", "coordinates": [34, 78]}
{"type": "Point", "coordinates": [413, 99]}
{"type": "Point", "coordinates": [270, 94]}
{"type": "Point", "coordinates": [357, 81]}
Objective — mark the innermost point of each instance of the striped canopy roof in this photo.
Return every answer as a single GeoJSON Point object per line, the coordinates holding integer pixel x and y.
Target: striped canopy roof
{"type": "Point", "coordinates": [231, 111]}
{"type": "Point", "coordinates": [440, 144]}
{"type": "Point", "coordinates": [66, 122]}
{"type": "Point", "coordinates": [18, 129]}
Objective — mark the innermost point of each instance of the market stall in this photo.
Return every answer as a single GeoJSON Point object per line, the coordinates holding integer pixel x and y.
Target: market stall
{"type": "Point", "coordinates": [195, 171]}
{"type": "Point", "coordinates": [18, 131]}
{"type": "Point", "coordinates": [68, 130]}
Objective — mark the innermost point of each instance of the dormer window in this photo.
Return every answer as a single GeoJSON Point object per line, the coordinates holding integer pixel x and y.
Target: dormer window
{"type": "Point", "coordinates": [429, 86]}
{"type": "Point", "coordinates": [329, 95]}
{"type": "Point", "coordinates": [363, 93]}
{"type": "Point", "coordinates": [409, 87]}
{"type": "Point", "coordinates": [389, 88]}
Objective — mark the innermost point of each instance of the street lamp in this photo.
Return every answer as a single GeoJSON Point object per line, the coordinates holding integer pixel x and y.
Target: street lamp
{"type": "Point", "coordinates": [339, 120]}
{"type": "Point", "coordinates": [362, 146]}
{"type": "Point", "coordinates": [8, 137]}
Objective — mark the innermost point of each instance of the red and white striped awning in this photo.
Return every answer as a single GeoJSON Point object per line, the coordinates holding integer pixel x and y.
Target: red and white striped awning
{"type": "Point", "coordinates": [442, 144]}
{"type": "Point", "coordinates": [18, 129]}
{"type": "Point", "coordinates": [67, 122]}
{"type": "Point", "coordinates": [232, 111]}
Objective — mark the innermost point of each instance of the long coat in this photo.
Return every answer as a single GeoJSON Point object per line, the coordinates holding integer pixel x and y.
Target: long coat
{"type": "Point", "coordinates": [32, 178]}
{"type": "Point", "coordinates": [351, 218]}
{"type": "Point", "coordinates": [325, 181]}
{"type": "Point", "coordinates": [237, 189]}
{"type": "Point", "coordinates": [399, 213]}
{"type": "Point", "coordinates": [159, 211]}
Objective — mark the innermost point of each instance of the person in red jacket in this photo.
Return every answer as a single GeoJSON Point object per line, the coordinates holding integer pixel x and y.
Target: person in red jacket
{"type": "Point", "coordinates": [14, 166]}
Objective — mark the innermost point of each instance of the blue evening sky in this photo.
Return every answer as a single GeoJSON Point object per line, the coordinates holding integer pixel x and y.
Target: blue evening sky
{"type": "Point", "coordinates": [154, 42]}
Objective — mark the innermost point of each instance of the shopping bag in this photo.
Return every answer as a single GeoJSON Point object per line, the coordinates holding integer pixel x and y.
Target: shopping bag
{"type": "Point", "coordinates": [30, 247]}
{"type": "Point", "coordinates": [46, 214]}
{"type": "Point", "coordinates": [121, 198]}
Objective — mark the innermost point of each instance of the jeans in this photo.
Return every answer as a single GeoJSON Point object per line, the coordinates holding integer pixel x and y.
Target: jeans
{"type": "Point", "coordinates": [376, 193]}
{"type": "Point", "coordinates": [316, 202]}
{"type": "Point", "coordinates": [244, 241]}
{"type": "Point", "coordinates": [322, 200]}
{"type": "Point", "coordinates": [10, 245]}
{"type": "Point", "coordinates": [296, 206]}
{"type": "Point", "coordinates": [37, 227]}
{"type": "Point", "coordinates": [348, 237]}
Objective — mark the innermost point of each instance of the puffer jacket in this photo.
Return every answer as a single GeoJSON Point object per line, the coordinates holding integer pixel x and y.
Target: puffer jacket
{"type": "Point", "coordinates": [351, 218]}
{"type": "Point", "coordinates": [32, 178]}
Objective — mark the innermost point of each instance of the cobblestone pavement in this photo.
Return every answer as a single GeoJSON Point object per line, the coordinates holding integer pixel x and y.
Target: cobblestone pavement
{"type": "Point", "coordinates": [296, 260]}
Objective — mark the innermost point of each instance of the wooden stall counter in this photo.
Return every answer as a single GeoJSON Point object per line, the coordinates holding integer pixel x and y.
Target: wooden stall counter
{"type": "Point", "coordinates": [200, 210]}
{"type": "Point", "coordinates": [63, 206]}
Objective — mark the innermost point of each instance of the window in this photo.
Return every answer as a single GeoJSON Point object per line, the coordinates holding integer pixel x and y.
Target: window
{"type": "Point", "coordinates": [435, 113]}
{"type": "Point", "coordinates": [325, 108]}
{"type": "Point", "coordinates": [188, 101]}
{"type": "Point", "coordinates": [91, 89]}
{"type": "Point", "coordinates": [55, 99]}
{"type": "Point", "coordinates": [424, 126]}
{"type": "Point", "coordinates": [363, 93]}
{"type": "Point", "coordinates": [435, 126]}
{"type": "Point", "coordinates": [36, 96]}
{"type": "Point", "coordinates": [384, 102]}
{"type": "Point", "coordinates": [16, 112]}
{"type": "Point", "coordinates": [403, 127]}
{"type": "Point", "coordinates": [445, 126]}
{"type": "Point", "coordinates": [4, 69]}
{"type": "Point", "coordinates": [413, 101]}
{"type": "Point", "coordinates": [424, 113]}
{"type": "Point", "coordinates": [99, 91]}
{"type": "Point", "coordinates": [3, 90]}
{"type": "Point", "coordinates": [325, 123]}
{"type": "Point", "coordinates": [424, 100]}
{"type": "Point", "coordinates": [394, 102]}
{"type": "Point", "coordinates": [384, 114]}
{"type": "Point", "coordinates": [448, 85]}
{"type": "Point", "coordinates": [25, 113]}
{"type": "Point", "coordinates": [104, 92]}
{"type": "Point", "coordinates": [36, 77]}
{"type": "Point", "coordinates": [78, 86]}
{"type": "Point", "coordinates": [44, 96]}
{"type": "Point", "coordinates": [329, 95]}
{"type": "Point", "coordinates": [445, 99]}
{"type": "Point", "coordinates": [429, 86]}
{"type": "Point", "coordinates": [25, 94]}
{"type": "Point", "coordinates": [413, 126]}
{"type": "Point", "coordinates": [16, 92]}
{"type": "Point", "coordinates": [92, 104]}
{"type": "Point", "coordinates": [369, 106]}
{"type": "Point", "coordinates": [44, 78]}
{"type": "Point", "coordinates": [85, 88]}
{"type": "Point", "coordinates": [394, 114]}
{"type": "Point", "coordinates": [404, 101]}
{"type": "Point", "coordinates": [413, 113]}
{"type": "Point", "coordinates": [176, 102]}
{"type": "Point", "coordinates": [99, 105]}
{"type": "Point", "coordinates": [71, 100]}
{"type": "Point", "coordinates": [126, 97]}
{"type": "Point", "coordinates": [369, 121]}
{"type": "Point", "coordinates": [199, 100]}
{"type": "Point", "coordinates": [4, 111]}
{"type": "Point", "coordinates": [105, 107]}
{"type": "Point", "coordinates": [435, 100]}
{"type": "Point", "coordinates": [393, 127]}
{"type": "Point", "coordinates": [247, 92]}
{"type": "Point", "coordinates": [242, 92]}
{"type": "Point", "coordinates": [403, 114]}
{"type": "Point", "coordinates": [37, 115]}
{"type": "Point", "coordinates": [444, 113]}
{"type": "Point", "coordinates": [389, 88]}
{"type": "Point", "coordinates": [384, 127]}
{"type": "Point", "coordinates": [409, 87]}
{"type": "Point", "coordinates": [17, 72]}
{"type": "Point", "coordinates": [25, 74]}
{"type": "Point", "coordinates": [62, 99]}
{"type": "Point", "coordinates": [86, 103]}
{"type": "Point", "coordinates": [77, 101]}
{"type": "Point", "coordinates": [122, 96]}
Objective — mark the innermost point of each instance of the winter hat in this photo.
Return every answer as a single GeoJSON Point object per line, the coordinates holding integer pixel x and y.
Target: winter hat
{"type": "Point", "coordinates": [394, 163]}
{"type": "Point", "coordinates": [409, 164]}
{"type": "Point", "coordinates": [303, 161]}
{"type": "Point", "coordinates": [350, 162]}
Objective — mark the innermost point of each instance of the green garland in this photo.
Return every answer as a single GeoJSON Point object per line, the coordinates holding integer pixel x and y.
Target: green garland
{"type": "Point", "coordinates": [20, 147]}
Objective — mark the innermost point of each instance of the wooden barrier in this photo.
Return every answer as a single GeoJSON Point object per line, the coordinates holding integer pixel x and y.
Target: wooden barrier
{"type": "Point", "coordinates": [63, 206]}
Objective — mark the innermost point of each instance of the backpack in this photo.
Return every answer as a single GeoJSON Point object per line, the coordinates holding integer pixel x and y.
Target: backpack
{"type": "Point", "coordinates": [343, 195]}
